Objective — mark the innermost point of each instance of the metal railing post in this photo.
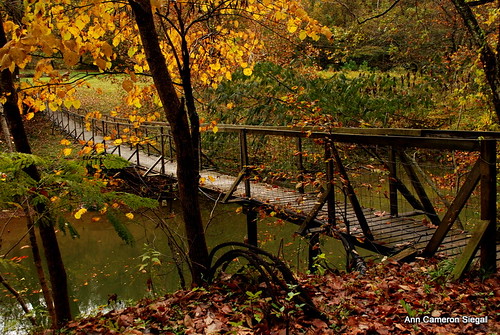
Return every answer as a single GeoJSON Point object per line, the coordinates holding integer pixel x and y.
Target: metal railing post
{"type": "Point", "coordinates": [162, 144]}
{"type": "Point", "coordinates": [244, 160]}
{"type": "Point", "coordinates": [300, 164]}
{"type": "Point", "coordinates": [393, 189]}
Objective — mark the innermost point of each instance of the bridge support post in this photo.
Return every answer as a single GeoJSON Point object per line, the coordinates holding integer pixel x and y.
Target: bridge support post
{"type": "Point", "coordinates": [314, 251]}
{"type": "Point", "coordinates": [162, 144]}
{"type": "Point", "coordinates": [330, 200]}
{"type": "Point", "coordinates": [252, 219]}
{"type": "Point", "coordinates": [488, 204]}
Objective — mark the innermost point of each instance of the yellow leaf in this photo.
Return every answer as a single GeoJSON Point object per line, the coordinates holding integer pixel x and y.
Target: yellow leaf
{"type": "Point", "coordinates": [292, 28]}
{"type": "Point", "coordinates": [68, 103]}
{"type": "Point", "coordinates": [117, 142]}
{"type": "Point", "coordinates": [128, 85]}
{"type": "Point", "coordinates": [215, 129]}
{"type": "Point", "coordinates": [101, 63]}
{"type": "Point", "coordinates": [67, 151]}
{"type": "Point", "coordinates": [80, 212]}
{"type": "Point", "coordinates": [65, 142]}
{"type": "Point", "coordinates": [131, 52]}
{"type": "Point", "coordinates": [129, 215]}
{"type": "Point", "coordinates": [80, 24]}
{"type": "Point", "coordinates": [71, 58]}
{"type": "Point", "coordinates": [327, 32]}
{"type": "Point", "coordinates": [85, 150]}
{"type": "Point", "coordinates": [239, 210]}
{"type": "Point", "coordinates": [216, 66]}
{"type": "Point", "coordinates": [29, 116]}
{"type": "Point", "coordinates": [107, 50]}
{"type": "Point", "coordinates": [247, 72]}
{"type": "Point", "coordinates": [116, 40]}
{"type": "Point", "coordinates": [6, 61]}
{"type": "Point", "coordinates": [67, 36]}
{"type": "Point", "coordinates": [302, 35]}
{"type": "Point", "coordinates": [77, 103]}
{"type": "Point", "coordinates": [212, 179]}
{"type": "Point", "coordinates": [99, 147]}
{"type": "Point", "coordinates": [53, 106]}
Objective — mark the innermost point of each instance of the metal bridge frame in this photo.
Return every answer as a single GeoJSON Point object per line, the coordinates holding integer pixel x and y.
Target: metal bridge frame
{"type": "Point", "coordinates": [483, 173]}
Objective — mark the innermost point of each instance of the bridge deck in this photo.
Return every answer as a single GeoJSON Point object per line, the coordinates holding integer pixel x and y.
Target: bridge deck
{"type": "Point", "coordinates": [390, 233]}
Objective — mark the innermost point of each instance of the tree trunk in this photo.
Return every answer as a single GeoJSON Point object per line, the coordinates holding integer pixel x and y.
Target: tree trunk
{"type": "Point", "coordinates": [187, 170]}
{"type": "Point", "coordinates": [37, 259]}
{"type": "Point", "coordinates": [18, 297]}
{"type": "Point", "coordinates": [5, 130]}
{"type": "Point", "coordinates": [489, 58]}
{"type": "Point", "coordinates": [53, 257]}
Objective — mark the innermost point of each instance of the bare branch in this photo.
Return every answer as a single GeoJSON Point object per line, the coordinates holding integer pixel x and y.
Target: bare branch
{"type": "Point", "coordinates": [381, 14]}
{"type": "Point", "coordinates": [479, 2]}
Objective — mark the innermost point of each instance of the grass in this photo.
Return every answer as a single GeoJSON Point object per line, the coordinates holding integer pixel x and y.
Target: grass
{"type": "Point", "coordinates": [101, 93]}
{"type": "Point", "coordinates": [97, 91]}
{"type": "Point", "coordinates": [45, 141]}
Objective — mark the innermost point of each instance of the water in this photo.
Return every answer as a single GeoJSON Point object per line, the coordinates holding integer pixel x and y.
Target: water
{"type": "Point", "coordinates": [99, 264]}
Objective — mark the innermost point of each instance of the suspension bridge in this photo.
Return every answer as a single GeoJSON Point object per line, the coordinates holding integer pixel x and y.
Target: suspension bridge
{"type": "Point", "coordinates": [325, 181]}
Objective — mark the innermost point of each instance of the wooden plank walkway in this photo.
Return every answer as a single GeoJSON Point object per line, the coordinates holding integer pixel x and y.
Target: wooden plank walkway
{"type": "Point", "coordinates": [391, 234]}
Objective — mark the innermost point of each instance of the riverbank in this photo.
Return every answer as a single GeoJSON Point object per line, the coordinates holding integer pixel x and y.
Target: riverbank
{"type": "Point", "coordinates": [391, 298]}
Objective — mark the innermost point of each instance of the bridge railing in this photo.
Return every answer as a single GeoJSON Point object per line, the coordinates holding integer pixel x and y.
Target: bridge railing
{"type": "Point", "coordinates": [328, 155]}
{"type": "Point", "coordinates": [328, 163]}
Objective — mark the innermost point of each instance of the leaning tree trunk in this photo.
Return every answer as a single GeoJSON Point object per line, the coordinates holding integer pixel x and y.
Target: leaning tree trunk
{"type": "Point", "coordinates": [57, 272]}
{"type": "Point", "coordinates": [489, 57]}
{"type": "Point", "coordinates": [187, 170]}
{"type": "Point", "coordinates": [37, 259]}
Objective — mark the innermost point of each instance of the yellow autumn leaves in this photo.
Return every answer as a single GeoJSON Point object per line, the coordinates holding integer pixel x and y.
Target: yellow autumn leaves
{"type": "Point", "coordinates": [78, 214]}
{"type": "Point", "coordinates": [66, 151]}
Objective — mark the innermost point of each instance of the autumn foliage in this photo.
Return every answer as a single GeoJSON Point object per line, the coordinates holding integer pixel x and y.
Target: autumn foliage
{"type": "Point", "coordinates": [378, 302]}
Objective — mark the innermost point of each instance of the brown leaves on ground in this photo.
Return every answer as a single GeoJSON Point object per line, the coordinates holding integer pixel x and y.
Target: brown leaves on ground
{"type": "Point", "coordinates": [380, 302]}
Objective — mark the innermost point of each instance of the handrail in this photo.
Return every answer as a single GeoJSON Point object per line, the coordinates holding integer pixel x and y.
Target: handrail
{"type": "Point", "coordinates": [397, 137]}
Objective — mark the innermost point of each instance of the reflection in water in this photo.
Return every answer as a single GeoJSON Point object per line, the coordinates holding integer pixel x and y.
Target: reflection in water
{"type": "Point", "coordinates": [99, 264]}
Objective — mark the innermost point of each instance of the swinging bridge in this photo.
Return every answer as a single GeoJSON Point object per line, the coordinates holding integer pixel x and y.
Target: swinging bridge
{"type": "Point", "coordinates": [398, 192]}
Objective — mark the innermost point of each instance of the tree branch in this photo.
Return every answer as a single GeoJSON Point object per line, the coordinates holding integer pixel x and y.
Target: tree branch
{"type": "Point", "coordinates": [479, 2]}
{"type": "Point", "coordinates": [381, 14]}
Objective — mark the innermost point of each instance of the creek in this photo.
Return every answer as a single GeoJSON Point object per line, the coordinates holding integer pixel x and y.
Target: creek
{"type": "Point", "coordinates": [99, 264]}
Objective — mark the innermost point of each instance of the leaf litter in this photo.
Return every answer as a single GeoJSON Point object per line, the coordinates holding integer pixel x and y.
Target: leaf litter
{"type": "Point", "coordinates": [380, 302]}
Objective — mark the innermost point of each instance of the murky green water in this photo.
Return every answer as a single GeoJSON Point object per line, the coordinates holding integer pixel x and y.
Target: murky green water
{"type": "Point", "coordinates": [100, 264]}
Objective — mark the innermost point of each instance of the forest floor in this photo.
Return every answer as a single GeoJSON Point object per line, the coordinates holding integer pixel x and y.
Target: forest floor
{"type": "Point", "coordinates": [391, 298]}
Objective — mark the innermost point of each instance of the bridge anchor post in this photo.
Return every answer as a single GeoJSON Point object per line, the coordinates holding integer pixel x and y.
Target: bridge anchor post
{"type": "Point", "coordinates": [252, 220]}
